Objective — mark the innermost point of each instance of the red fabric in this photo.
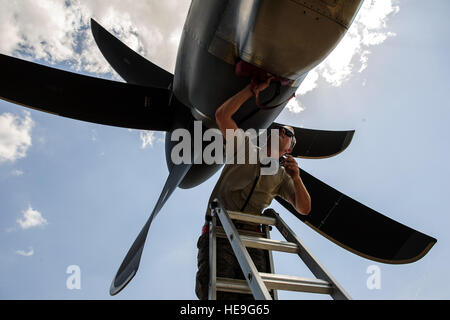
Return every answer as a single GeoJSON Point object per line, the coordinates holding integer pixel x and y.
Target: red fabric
{"type": "Point", "coordinates": [245, 69]}
{"type": "Point", "coordinates": [258, 75]}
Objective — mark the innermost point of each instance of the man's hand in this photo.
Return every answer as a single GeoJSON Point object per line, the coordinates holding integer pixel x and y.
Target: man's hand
{"type": "Point", "coordinates": [256, 88]}
{"type": "Point", "coordinates": [225, 112]}
{"type": "Point", "coordinates": [301, 199]}
{"type": "Point", "coordinates": [291, 167]}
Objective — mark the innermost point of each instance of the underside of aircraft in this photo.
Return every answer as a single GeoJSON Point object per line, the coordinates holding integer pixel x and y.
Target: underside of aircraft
{"type": "Point", "coordinates": [218, 34]}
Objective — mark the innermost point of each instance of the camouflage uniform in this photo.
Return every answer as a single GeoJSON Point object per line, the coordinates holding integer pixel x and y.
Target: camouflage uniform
{"type": "Point", "coordinates": [240, 187]}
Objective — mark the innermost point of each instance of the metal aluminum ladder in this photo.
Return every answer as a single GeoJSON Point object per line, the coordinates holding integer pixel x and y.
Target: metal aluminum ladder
{"type": "Point", "coordinates": [258, 283]}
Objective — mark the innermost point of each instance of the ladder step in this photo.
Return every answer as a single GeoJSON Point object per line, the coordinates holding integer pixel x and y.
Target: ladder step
{"type": "Point", "coordinates": [263, 243]}
{"type": "Point", "coordinates": [235, 215]}
{"type": "Point", "coordinates": [276, 282]}
{"type": "Point", "coordinates": [261, 282]}
{"type": "Point", "coordinates": [269, 244]}
{"type": "Point", "coordinates": [292, 283]}
{"type": "Point", "coordinates": [232, 285]}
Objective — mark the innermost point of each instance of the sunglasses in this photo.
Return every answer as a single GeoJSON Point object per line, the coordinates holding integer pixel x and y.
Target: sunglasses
{"type": "Point", "coordinates": [287, 132]}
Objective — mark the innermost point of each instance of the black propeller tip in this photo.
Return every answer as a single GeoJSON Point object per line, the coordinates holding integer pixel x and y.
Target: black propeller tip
{"type": "Point", "coordinates": [348, 139]}
{"type": "Point", "coordinates": [116, 288]}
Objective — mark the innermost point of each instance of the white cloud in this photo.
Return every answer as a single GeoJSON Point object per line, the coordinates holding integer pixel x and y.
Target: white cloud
{"type": "Point", "coordinates": [352, 54]}
{"type": "Point", "coordinates": [295, 106]}
{"type": "Point", "coordinates": [31, 218]}
{"type": "Point", "coordinates": [368, 29]}
{"type": "Point", "coordinates": [15, 138]}
{"type": "Point", "coordinates": [17, 172]}
{"type": "Point", "coordinates": [59, 31]}
{"type": "Point", "coordinates": [309, 84]}
{"type": "Point", "coordinates": [147, 138]}
{"type": "Point", "coordinates": [24, 253]}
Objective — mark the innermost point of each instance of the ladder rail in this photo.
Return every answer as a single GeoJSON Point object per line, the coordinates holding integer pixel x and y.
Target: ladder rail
{"type": "Point", "coordinates": [258, 283]}
{"type": "Point", "coordinates": [319, 271]}
{"type": "Point", "coordinates": [271, 264]}
{"type": "Point", "coordinates": [251, 274]}
{"type": "Point", "coordinates": [212, 285]}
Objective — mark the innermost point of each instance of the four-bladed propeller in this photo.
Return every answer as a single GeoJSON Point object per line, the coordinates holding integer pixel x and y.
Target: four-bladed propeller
{"type": "Point", "coordinates": [146, 102]}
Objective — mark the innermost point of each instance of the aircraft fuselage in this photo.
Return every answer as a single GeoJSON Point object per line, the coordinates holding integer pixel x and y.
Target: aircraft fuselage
{"type": "Point", "coordinates": [286, 38]}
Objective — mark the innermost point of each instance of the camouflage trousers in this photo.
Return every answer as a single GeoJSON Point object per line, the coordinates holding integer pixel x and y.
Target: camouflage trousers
{"type": "Point", "coordinates": [227, 267]}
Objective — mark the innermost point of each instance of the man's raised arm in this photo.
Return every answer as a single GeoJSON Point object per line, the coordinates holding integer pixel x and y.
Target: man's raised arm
{"type": "Point", "coordinates": [225, 112]}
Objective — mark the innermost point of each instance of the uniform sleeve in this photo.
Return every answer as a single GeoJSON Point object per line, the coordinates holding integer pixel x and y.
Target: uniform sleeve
{"type": "Point", "coordinates": [287, 188]}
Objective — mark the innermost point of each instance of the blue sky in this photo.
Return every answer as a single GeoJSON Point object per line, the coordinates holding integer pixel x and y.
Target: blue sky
{"type": "Point", "coordinates": [94, 186]}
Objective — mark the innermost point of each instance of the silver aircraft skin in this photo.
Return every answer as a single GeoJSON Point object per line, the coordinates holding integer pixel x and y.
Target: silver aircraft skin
{"type": "Point", "coordinates": [286, 38]}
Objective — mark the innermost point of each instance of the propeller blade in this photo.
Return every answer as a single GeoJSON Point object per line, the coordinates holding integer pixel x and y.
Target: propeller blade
{"type": "Point", "coordinates": [131, 66]}
{"type": "Point", "coordinates": [84, 98]}
{"type": "Point", "coordinates": [358, 228]}
{"type": "Point", "coordinates": [130, 264]}
{"type": "Point", "coordinates": [318, 144]}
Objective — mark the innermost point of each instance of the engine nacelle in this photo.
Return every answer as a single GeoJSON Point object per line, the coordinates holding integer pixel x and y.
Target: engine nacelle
{"type": "Point", "coordinates": [285, 37]}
